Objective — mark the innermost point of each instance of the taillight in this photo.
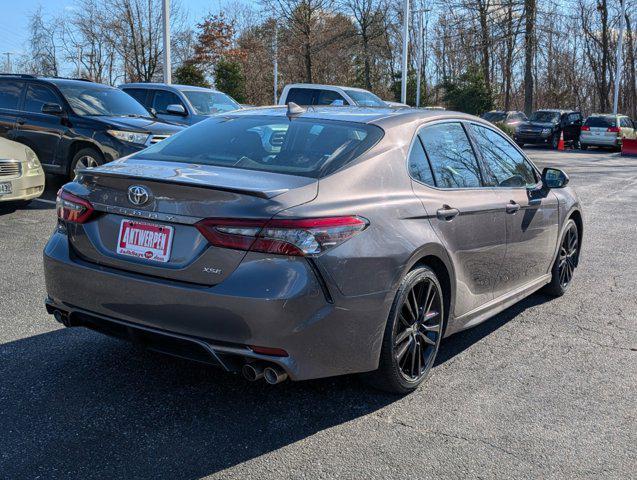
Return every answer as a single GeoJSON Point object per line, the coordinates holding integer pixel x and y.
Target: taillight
{"type": "Point", "coordinates": [613, 130]}
{"type": "Point", "coordinates": [586, 128]}
{"type": "Point", "coordinates": [297, 237]}
{"type": "Point", "coordinates": [71, 208]}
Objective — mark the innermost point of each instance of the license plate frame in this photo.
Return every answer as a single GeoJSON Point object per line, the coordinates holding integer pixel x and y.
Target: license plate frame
{"type": "Point", "coordinates": [6, 188]}
{"type": "Point", "coordinates": [145, 240]}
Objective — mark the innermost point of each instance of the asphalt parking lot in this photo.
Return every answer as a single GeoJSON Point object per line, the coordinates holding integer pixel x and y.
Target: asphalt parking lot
{"type": "Point", "coordinates": [547, 389]}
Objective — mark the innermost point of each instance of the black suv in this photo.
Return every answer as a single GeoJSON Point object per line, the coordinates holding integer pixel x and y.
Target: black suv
{"type": "Point", "coordinates": [546, 127]}
{"type": "Point", "coordinates": [72, 124]}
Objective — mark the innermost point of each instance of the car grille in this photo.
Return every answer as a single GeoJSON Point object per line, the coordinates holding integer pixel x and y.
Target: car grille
{"type": "Point", "coordinates": [10, 168]}
{"type": "Point", "coordinates": [158, 138]}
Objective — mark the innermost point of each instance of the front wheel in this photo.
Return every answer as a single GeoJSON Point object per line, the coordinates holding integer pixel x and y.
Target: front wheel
{"type": "Point", "coordinates": [412, 335]}
{"type": "Point", "coordinates": [85, 158]}
{"type": "Point", "coordinates": [566, 261]}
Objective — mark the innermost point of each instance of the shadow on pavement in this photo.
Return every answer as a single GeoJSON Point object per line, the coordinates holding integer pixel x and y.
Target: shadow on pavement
{"type": "Point", "coordinates": [76, 404]}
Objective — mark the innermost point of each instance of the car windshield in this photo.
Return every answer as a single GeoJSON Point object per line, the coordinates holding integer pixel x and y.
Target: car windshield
{"type": "Point", "coordinates": [209, 103]}
{"type": "Point", "coordinates": [365, 99]}
{"type": "Point", "coordinates": [305, 147]}
{"type": "Point", "coordinates": [90, 100]}
{"type": "Point", "coordinates": [545, 117]}
{"type": "Point", "coordinates": [604, 122]}
{"type": "Point", "coordinates": [495, 116]}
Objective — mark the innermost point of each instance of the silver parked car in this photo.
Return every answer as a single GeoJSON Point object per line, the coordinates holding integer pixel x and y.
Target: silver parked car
{"type": "Point", "coordinates": [289, 243]}
{"type": "Point", "coordinates": [606, 130]}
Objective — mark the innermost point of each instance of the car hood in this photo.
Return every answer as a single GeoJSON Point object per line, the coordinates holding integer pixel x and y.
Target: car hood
{"type": "Point", "coordinates": [140, 124]}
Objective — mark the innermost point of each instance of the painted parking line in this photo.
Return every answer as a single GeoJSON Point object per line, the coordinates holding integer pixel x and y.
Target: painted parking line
{"type": "Point", "coordinates": [51, 202]}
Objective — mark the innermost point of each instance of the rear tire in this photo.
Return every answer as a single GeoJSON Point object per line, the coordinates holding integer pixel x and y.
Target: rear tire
{"type": "Point", "coordinates": [412, 334]}
{"type": "Point", "coordinates": [583, 146]}
{"type": "Point", "coordinates": [566, 261]}
{"type": "Point", "coordinates": [86, 157]}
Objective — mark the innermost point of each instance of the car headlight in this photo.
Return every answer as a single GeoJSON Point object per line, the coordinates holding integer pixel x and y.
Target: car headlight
{"type": "Point", "coordinates": [32, 159]}
{"type": "Point", "coordinates": [130, 137]}
{"type": "Point", "coordinates": [546, 131]}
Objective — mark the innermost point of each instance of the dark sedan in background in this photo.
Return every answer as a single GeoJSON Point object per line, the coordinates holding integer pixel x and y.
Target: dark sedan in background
{"type": "Point", "coordinates": [353, 243]}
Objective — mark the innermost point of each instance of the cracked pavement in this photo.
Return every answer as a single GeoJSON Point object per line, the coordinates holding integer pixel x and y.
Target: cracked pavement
{"type": "Point", "coordinates": [546, 389]}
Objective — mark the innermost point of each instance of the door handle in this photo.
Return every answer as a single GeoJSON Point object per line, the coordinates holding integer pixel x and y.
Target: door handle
{"type": "Point", "coordinates": [512, 207]}
{"type": "Point", "coordinates": [447, 213]}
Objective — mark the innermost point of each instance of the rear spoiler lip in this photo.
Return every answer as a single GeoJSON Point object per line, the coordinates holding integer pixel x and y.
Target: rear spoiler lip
{"type": "Point", "coordinates": [266, 194]}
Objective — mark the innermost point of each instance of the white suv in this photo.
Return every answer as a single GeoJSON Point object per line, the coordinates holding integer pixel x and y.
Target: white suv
{"type": "Point", "coordinates": [314, 94]}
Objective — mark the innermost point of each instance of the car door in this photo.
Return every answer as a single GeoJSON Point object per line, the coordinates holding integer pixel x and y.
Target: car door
{"type": "Point", "coordinates": [161, 100]}
{"type": "Point", "coordinates": [141, 95]}
{"type": "Point", "coordinates": [10, 98]}
{"type": "Point", "coordinates": [572, 125]}
{"type": "Point", "coordinates": [467, 218]}
{"type": "Point", "coordinates": [531, 213]}
{"type": "Point", "coordinates": [42, 132]}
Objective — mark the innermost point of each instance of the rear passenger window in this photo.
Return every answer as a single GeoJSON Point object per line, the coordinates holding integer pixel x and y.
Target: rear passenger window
{"type": "Point", "coordinates": [37, 96]}
{"type": "Point", "coordinates": [10, 92]}
{"type": "Point", "coordinates": [164, 98]}
{"type": "Point", "coordinates": [300, 96]}
{"type": "Point", "coordinates": [138, 94]}
{"type": "Point", "coordinates": [452, 159]}
{"type": "Point", "coordinates": [329, 97]}
{"type": "Point", "coordinates": [506, 165]}
{"type": "Point", "coordinates": [419, 167]}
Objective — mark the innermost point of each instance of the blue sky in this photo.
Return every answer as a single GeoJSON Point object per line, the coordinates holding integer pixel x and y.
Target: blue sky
{"type": "Point", "coordinates": [14, 18]}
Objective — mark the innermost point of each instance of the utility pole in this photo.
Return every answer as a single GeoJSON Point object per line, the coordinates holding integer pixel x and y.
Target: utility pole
{"type": "Point", "coordinates": [403, 84]}
{"type": "Point", "coordinates": [166, 22]}
{"type": "Point", "coordinates": [618, 62]}
{"type": "Point", "coordinates": [8, 64]}
{"type": "Point", "coordinates": [420, 46]}
{"type": "Point", "coordinates": [275, 48]}
{"type": "Point", "coordinates": [79, 61]}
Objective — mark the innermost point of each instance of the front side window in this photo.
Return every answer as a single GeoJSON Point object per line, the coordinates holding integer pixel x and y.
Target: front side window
{"type": "Point", "coordinates": [304, 146]}
{"type": "Point", "coordinates": [452, 159]}
{"type": "Point", "coordinates": [365, 99]}
{"type": "Point", "coordinates": [90, 100]}
{"type": "Point", "coordinates": [162, 99]}
{"type": "Point", "coordinates": [506, 166]}
{"type": "Point", "coordinates": [10, 92]}
{"type": "Point", "coordinates": [330, 97]}
{"type": "Point", "coordinates": [209, 103]}
{"type": "Point", "coordinates": [38, 96]}
{"type": "Point", "coordinates": [419, 167]}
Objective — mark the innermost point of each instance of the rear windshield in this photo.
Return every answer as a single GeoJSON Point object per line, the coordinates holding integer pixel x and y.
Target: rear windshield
{"type": "Point", "coordinates": [604, 122]}
{"type": "Point", "coordinates": [301, 146]}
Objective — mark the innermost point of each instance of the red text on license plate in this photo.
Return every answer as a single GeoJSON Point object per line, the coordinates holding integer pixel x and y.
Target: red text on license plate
{"type": "Point", "coordinates": [145, 240]}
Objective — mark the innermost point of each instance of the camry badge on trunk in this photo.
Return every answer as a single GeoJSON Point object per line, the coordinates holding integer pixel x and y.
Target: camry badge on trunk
{"type": "Point", "coordinates": [138, 195]}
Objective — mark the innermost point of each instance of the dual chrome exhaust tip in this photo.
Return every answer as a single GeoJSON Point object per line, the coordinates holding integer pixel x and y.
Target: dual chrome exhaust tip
{"type": "Point", "coordinates": [273, 374]}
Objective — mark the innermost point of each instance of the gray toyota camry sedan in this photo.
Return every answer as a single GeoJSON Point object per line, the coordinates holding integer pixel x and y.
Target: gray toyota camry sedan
{"type": "Point", "coordinates": [291, 243]}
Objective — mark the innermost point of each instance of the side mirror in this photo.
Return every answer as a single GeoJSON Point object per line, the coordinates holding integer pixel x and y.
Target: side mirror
{"type": "Point", "coordinates": [176, 109]}
{"type": "Point", "coordinates": [52, 109]}
{"type": "Point", "coordinates": [554, 178]}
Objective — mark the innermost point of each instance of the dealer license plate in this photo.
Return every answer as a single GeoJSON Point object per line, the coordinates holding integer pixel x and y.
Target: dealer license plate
{"type": "Point", "coordinates": [145, 240]}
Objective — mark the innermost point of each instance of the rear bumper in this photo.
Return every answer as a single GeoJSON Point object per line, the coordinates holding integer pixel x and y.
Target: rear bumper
{"type": "Point", "coordinates": [25, 187]}
{"type": "Point", "coordinates": [599, 141]}
{"type": "Point", "coordinates": [273, 302]}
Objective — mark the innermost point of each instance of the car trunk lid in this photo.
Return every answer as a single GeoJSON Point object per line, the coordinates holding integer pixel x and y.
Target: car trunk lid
{"type": "Point", "coordinates": [179, 195]}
